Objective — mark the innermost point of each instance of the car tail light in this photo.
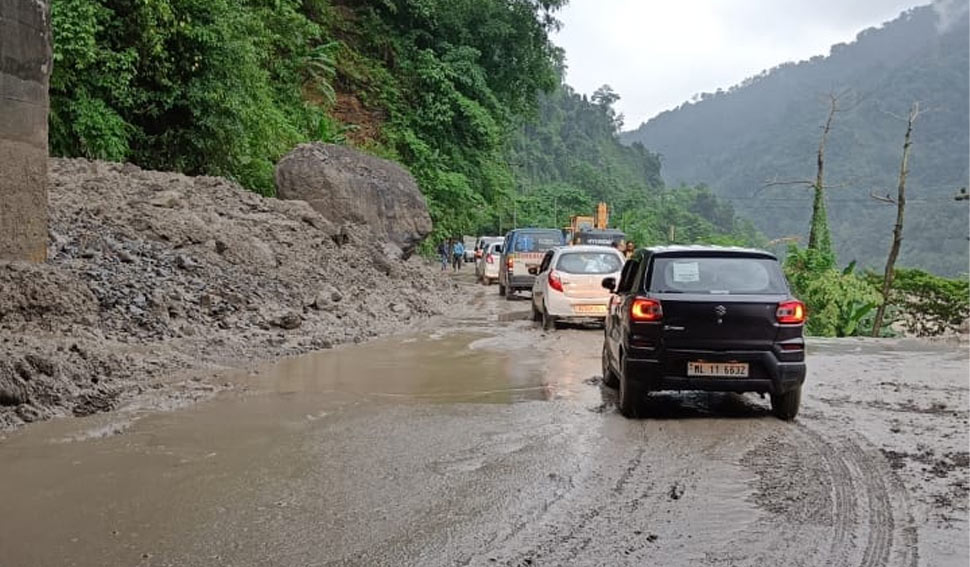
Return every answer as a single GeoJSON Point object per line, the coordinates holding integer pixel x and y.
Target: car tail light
{"type": "Point", "coordinates": [510, 262]}
{"type": "Point", "coordinates": [555, 282]}
{"type": "Point", "coordinates": [489, 259]}
{"type": "Point", "coordinates": [643, 309]}
{"type": "Point", "coordinates": [791, 312]}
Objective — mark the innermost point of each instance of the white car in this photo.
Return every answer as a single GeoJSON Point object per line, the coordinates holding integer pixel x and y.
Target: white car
{"type": "Point", "coordinates": [486, 267]}
{"type": "Point", "coordinates": [569, 284]}
{"type": "Point", "coordinates": [479, 251]}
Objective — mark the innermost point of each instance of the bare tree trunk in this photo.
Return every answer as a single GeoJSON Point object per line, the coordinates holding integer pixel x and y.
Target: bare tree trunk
{"type": "Point", "coordinates": [819, 237]}
{"type": "Point", "coordinates": [25, 63]}
{"type": "Point", "coordinates": [887, 281]}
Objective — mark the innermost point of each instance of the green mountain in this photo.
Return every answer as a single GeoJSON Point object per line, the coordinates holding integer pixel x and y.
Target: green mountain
{"type": "Point", "coordinates": [569, 157]}
{"type": "Point", "coordinates": [768, 128]}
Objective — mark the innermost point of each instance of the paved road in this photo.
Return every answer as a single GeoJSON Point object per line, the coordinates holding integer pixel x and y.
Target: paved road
{"type": "Point", "coordinates": [481, 440]}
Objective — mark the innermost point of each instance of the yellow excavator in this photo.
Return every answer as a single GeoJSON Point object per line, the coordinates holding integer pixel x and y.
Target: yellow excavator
{"type": "Point", "coordinates": [593, 229]}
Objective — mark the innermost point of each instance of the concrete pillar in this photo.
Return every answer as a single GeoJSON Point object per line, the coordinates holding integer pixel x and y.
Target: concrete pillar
{"type": "Point", "coordinates": [25, 65]}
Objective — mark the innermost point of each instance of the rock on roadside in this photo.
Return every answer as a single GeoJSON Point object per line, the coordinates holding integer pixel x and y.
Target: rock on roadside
{"type": "Point", "coordinates": [347, 186]}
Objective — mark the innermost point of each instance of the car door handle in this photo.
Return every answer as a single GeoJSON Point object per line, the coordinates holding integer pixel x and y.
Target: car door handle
{"type": "Point", "coordinates": [674, 328]}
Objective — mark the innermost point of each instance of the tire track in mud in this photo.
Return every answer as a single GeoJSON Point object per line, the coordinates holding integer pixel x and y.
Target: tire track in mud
{"type": "Point", "coordinates": [830, 499]}
{"type": "Point", "coordinates": [567, 526]}
{"type": "Point", "coordinates": [870, 522]}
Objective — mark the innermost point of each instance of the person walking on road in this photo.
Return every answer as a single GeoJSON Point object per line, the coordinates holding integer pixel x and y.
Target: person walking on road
{"type": "Point", "coordinates": [457, 255]}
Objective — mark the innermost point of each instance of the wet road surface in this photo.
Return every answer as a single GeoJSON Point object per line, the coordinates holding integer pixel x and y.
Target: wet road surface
{"type": "Point", "coordinates": [484, 441]}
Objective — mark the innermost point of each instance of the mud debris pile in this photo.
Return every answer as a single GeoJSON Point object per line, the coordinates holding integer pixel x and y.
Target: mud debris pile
{"type": "Point", "coordinates": [151, 273]}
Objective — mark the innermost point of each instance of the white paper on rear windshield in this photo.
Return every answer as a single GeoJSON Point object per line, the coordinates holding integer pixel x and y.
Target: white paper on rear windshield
{"type": "Point", "coordinates": [686, 272]}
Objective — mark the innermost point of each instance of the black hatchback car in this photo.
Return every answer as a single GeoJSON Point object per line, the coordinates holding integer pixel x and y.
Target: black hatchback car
{"type": "Point", "coordinates": [704, 318]}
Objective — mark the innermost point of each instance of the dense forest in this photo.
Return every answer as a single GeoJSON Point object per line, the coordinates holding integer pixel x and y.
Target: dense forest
{"type": "Point", "coordinates": [768, 128]}
{"type": "Point", "coordinates": [466, 93]}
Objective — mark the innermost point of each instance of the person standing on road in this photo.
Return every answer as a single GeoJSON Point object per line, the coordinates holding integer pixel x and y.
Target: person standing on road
{"type": "Point", "coordinates": [631, 247]}
{"type": "Point", "coordinates": [457, 255]}
{"type": "Point", "coordinates": [444, 249]}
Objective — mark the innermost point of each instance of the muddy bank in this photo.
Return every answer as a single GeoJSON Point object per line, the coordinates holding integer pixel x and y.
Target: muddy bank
{"type": "Point", "coordinates": [153, 275]}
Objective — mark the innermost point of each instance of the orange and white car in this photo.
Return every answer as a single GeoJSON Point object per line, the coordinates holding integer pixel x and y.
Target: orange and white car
{"type": "Point", "coordinates": [486, 268]}
{"type": "Point", "coordinates": [569, 284]}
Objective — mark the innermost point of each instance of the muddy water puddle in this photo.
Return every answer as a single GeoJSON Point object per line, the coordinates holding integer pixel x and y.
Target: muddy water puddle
{"type": "Point", "coordinates": [114, 488]}
{"type": "Point", "coordinates": [454, 368]}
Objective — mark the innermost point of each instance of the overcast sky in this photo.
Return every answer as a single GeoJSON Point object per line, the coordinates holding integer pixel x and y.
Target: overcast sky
{"type": "Point", "coordinates": [658, 53]}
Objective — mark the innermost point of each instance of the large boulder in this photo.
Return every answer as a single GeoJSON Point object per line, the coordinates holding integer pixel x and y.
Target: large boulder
{"type": "Point", "coordinates": [345, 185]}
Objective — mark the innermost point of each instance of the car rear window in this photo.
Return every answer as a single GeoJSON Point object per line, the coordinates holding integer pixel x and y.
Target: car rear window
{"type": "Point", "coordinates": [718, 275]}
{"type": "Point", "coordinates": [589, 263]}
{"type": "Point", "coordinates": [536, 241]}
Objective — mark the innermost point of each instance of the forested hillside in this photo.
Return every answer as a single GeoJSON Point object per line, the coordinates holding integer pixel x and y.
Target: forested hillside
{"type": "Point", "coordinates": [570, 157]}
{"type": "Point", "coordinates": [465, 93]}
{"type": "Point", "coordinates": [226, 87]}
{"type": "Point", "coordinates": [768, 128]}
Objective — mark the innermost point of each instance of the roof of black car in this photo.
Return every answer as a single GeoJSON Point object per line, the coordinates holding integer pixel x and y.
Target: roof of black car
{"type": "Point", "coordinates": [697, 250]}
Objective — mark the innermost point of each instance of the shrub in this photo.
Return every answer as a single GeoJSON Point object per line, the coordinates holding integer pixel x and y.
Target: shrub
{"type": "Point", "coordinates": [927, 305]}
{"type": "Point", "coordinates": [838, 302]}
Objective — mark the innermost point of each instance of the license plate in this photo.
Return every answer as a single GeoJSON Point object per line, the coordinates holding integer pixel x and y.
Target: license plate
{"type": "Point", "coordinates": [590, 309]}
{"type": "Point", "coordinates": [722, 369]}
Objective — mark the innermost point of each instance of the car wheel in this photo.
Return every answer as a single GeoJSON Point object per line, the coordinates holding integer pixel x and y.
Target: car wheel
{"type": "Point", "coordinates": [501, 290]}
{"type": "Point", "coordinates": [536, 314]}
{"type": "Point", "coordinates": [509, 293]}
{"type": "Point", "coordinates": [548, 321]}
{"type": "Point", "coordinates": [630, 402]}
{"type": "Point", "coordinates": [609, 377]}
{"type": "Point", "coordinates": [785, 406]}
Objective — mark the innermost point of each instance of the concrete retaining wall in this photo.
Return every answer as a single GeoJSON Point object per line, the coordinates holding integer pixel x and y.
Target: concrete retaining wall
{"type": "Point", "coordinates": [25, 64]}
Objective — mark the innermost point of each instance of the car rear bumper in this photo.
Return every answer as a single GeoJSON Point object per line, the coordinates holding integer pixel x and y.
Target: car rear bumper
{"type": "Point", "coordinates": [521, 282]}
{"type": "Point", "coordinates": [768, 374]}
{"type": "Point", "coordinates": [562, 306]}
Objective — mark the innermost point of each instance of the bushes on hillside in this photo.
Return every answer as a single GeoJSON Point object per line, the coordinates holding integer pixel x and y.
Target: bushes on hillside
{"type": "Point", "coordinates": [841, 303]}
{"type": "Point", "coordinates": [198, 86]}
{"type": "Point", "coordinates": [927, 305]}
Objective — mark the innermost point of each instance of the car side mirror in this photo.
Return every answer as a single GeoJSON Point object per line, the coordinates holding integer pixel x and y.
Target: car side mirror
{"type": "Point", "coordinates": [609, 283]}
{"type": "Point", "coordinates": [534, 270]}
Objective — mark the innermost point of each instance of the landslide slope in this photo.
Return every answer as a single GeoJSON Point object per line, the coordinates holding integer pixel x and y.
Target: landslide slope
{"type": "Point", "coordinates": [152, 273]}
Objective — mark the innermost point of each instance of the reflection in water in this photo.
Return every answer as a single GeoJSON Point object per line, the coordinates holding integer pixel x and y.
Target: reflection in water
{"type": "Point", "coordinates": [454, 368]}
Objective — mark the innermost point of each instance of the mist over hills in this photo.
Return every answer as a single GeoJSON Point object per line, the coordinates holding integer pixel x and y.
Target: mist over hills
{"type": "Point", "coordinates": [768, 128]}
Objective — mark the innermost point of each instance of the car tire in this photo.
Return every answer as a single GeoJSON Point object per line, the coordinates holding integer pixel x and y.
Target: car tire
{"type": "Point", "coordinates": [548, 321]}
{"type": "Point", "coordinates": [536, 314]}
{"type": "Point", "coordinates": [785, 406]}
{"type": "Point", "coordinates": [509, 292]}
{"type": "Point", "coordinates": [630, 399]}
{"type": "Point", "coordinates": [501, 290]}
{"type": "Point", "coordinates": [609, 377]}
